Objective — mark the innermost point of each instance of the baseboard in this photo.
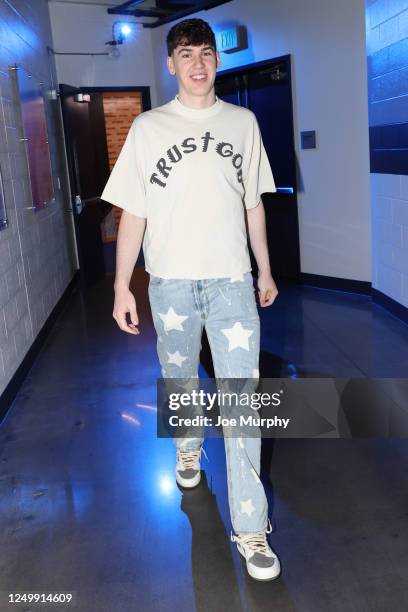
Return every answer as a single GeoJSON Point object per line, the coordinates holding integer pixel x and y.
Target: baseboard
{"type": "Point", "coordinates": [391, 305]}
{"type": "Point", "coordinates": [353, 286]}
{"type": "Point", "coordinates": [13, 387]}
{"type": "Point", "coordinates": [337, 284]}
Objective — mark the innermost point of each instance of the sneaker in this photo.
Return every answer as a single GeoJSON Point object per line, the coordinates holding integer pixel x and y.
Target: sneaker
{"type": "Point", "coordinates": [188, 472]}
{"type": "Point", "coordinates": [261, 562]}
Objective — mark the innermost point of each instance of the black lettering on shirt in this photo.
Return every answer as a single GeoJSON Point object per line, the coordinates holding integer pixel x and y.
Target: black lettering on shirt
{"type": "Point", "coordinates": [224, 149]}
{"type": "Point", "coordinates": [188, 148]}
{"type": "Point", "coordinates": [154, 179]}
{"type": "Point", "coordinates": [162, 168]}
{"type": "Point", "coordinates": [206, 138]}
{"type": "Point", "coordinates": [171, 154]}
{"type": "Point", "coordinates": [220, 149]}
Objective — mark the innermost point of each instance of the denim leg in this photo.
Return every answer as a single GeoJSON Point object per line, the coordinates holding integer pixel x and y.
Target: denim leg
{"type": "Point", "coordinates": [233, 332]}
{"type": "Point", "coordinates": [179, 325]}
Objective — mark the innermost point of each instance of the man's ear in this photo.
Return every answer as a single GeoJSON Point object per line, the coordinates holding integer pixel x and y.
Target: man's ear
{"type": "Point", "coordinates": [170, 64]}
{"type": "Point", "coordinates": [218, 58]}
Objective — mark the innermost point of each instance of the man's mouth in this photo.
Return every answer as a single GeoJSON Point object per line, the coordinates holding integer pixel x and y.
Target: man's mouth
{"type": "Point", "coordinates": [199, 77]}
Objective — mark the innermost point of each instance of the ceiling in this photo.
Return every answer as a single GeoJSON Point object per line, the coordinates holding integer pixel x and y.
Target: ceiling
{"type": "Point", "coordinates": [106, 3]}
{"type": "Point", "coordinates": [151, 13]}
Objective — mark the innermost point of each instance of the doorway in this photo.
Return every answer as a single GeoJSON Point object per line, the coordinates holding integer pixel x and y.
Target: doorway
{"type": "Point", "coordinates": [266, 89]}
{"type": "Point", "coordinates": [120, 109]}
{"type": "Point", "coordinates": [96, 121]}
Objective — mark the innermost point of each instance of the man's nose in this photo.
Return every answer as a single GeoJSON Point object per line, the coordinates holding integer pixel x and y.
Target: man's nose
{"type": "Point", "coordinates": [199, 62]}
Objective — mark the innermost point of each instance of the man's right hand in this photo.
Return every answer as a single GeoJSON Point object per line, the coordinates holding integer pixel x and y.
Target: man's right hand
{"type": "Point", "coordinates": [125, 303]}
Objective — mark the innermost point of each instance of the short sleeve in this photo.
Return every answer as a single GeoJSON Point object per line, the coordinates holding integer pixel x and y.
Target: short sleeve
{"type": "Point", "coordinates": [126, 184]}
{"type": "Point", "coordinates": [259, 177]}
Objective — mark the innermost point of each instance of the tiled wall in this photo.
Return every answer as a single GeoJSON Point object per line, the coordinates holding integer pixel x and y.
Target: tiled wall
{"type": "Point", "coordinates": [387, 46]}
{"type": "Point", "coordinates": [389, 195]}
{"type": "Point", "coordinates": [36, 249]}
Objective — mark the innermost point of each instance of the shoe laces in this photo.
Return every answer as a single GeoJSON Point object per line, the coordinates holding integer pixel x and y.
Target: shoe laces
{"type": "Point", "coordinates": [191, 458]}
{"type": "Point", "coordinates": [255, 541]}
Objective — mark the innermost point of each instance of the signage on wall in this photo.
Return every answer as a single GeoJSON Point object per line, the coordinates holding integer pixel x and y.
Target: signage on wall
{"type": "Point", "coordinates": [232, 39]}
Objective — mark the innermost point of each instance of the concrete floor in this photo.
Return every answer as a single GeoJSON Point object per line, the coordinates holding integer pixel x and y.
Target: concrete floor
{"type": "Point", "coordinates": [89, 505]}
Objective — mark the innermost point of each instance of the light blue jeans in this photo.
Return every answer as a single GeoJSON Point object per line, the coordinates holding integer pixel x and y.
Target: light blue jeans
{"type": "Point", "coordinates": [227, 309]}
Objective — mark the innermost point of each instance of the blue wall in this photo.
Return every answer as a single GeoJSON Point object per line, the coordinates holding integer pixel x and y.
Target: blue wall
{"type": "Point", "coordinates": [387, 31]}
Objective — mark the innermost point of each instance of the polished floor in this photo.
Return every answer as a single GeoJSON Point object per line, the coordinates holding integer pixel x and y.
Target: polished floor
{"type": "Point", "coordinates": [89, 505]}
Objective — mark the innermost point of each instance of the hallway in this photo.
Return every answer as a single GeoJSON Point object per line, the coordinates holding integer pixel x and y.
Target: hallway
{"type": "Point", "coordinates": [89, 501]}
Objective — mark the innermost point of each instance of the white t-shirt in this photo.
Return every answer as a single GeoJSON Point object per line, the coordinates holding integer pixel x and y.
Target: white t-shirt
{"type": "Point", "coordinates": [190, 173]}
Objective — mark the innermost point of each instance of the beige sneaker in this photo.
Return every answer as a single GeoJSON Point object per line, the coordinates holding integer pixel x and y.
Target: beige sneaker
{"type": "Point", "coordinates": [188, 472]}
{"type": "Point", "coordinates": [261, 562]}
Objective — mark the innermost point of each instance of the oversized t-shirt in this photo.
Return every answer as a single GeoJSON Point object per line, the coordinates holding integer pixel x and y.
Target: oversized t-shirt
{"type": "Point", "coordinates": [191, 172]}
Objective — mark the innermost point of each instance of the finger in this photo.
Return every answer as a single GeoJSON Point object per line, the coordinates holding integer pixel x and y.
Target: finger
{"type": "Point", "coordinates": [266, 298]}
{"type": "Point", "coordinates": [131, 329]}
{"type": "Point", "coordinates": [272, 298]}
{"type": "Point", "coordinates": [261, 298]}
{"type": "Point", "coordinates": [132, 326]}
{"type": "Point", "coordinates": [123, 324]}
{"type": "Point", "coordinates": [133, 317]}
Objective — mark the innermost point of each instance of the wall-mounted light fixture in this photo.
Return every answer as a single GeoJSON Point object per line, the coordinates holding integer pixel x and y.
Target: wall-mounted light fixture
{"type": "Point", "coordinates": [121, 31]}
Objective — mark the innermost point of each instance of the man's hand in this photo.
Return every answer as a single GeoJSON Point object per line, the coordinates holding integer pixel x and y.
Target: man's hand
{"type": "Point", "coordinates": [267, 289]}
{"type": "Point", "coordinates": [125, 303]}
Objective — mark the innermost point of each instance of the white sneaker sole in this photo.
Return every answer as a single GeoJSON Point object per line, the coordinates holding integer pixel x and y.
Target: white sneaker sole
{"type": "Point", "coordinates": [188, 483]}
{"type": "Point", "coordinates": [261, 573]}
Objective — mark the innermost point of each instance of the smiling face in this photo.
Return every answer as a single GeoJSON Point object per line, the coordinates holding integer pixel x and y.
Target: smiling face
{"type": "Point", "coordinates": [195, 68]}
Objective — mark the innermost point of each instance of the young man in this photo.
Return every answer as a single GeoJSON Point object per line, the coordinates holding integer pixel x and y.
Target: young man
{"type": "Point", "coordinates": [188, 175]}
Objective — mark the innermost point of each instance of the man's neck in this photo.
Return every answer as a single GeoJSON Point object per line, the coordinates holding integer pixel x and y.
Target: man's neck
{"type": "Point", "coordinates": [197, 101]}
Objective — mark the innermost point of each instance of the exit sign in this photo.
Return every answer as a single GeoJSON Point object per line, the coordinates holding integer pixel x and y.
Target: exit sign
{"type": "Point", "coordinates": [228, 40]}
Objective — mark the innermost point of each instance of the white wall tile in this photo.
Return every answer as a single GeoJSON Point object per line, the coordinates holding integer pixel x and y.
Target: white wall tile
{"type": "Point", "coordinates": [378, 12]}
{"type": "Point", "coordinates": [12, 280]}
{"type": "Point", "coordinates": [400, 258]}
{"type": "Point", "coordinates": [382, 208]}
{"type": "Point", "coordinates": [389, 185]}
{"type": "Point", "coordinates": [389, 31]}
{"type": "Point", "coordinates": [384, 254]}
{"type": "Point", "coordinates": [10, 314]}
{"type": "Point", "coordinates": [390, 282]}
{"type": "Point", "coordinates": [397, 6]}
{"type": "Point", "coordinates": [4, 297]}
{"type": "Point", "coordinates": [405, 238]}
{"type": "Point", "coordinates": [9, 354]}
{"type": "Point", "coordinates": [400, 211]}
{"type": "Point", "coordinates": [4, 254]}
{"type": "Point", "coordinates": [403, 24]}
{"type": "Point", "coordinates": [404, 187]}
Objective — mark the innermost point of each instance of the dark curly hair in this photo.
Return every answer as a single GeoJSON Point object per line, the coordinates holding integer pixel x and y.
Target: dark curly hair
{"type": "Point", "coordinates": [193, 32]}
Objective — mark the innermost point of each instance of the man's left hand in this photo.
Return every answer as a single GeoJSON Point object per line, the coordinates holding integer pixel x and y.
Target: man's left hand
{"type": "Point", "coordinates": [267, 290]}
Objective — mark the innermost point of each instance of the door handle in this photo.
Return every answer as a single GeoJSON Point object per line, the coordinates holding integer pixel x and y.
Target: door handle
{"type": "Point", "coordinates": [79, 206]}
{"type": "Point", "coordinates": [90, 200]}
{"type": "Point", "coordinates": [80, 203]}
